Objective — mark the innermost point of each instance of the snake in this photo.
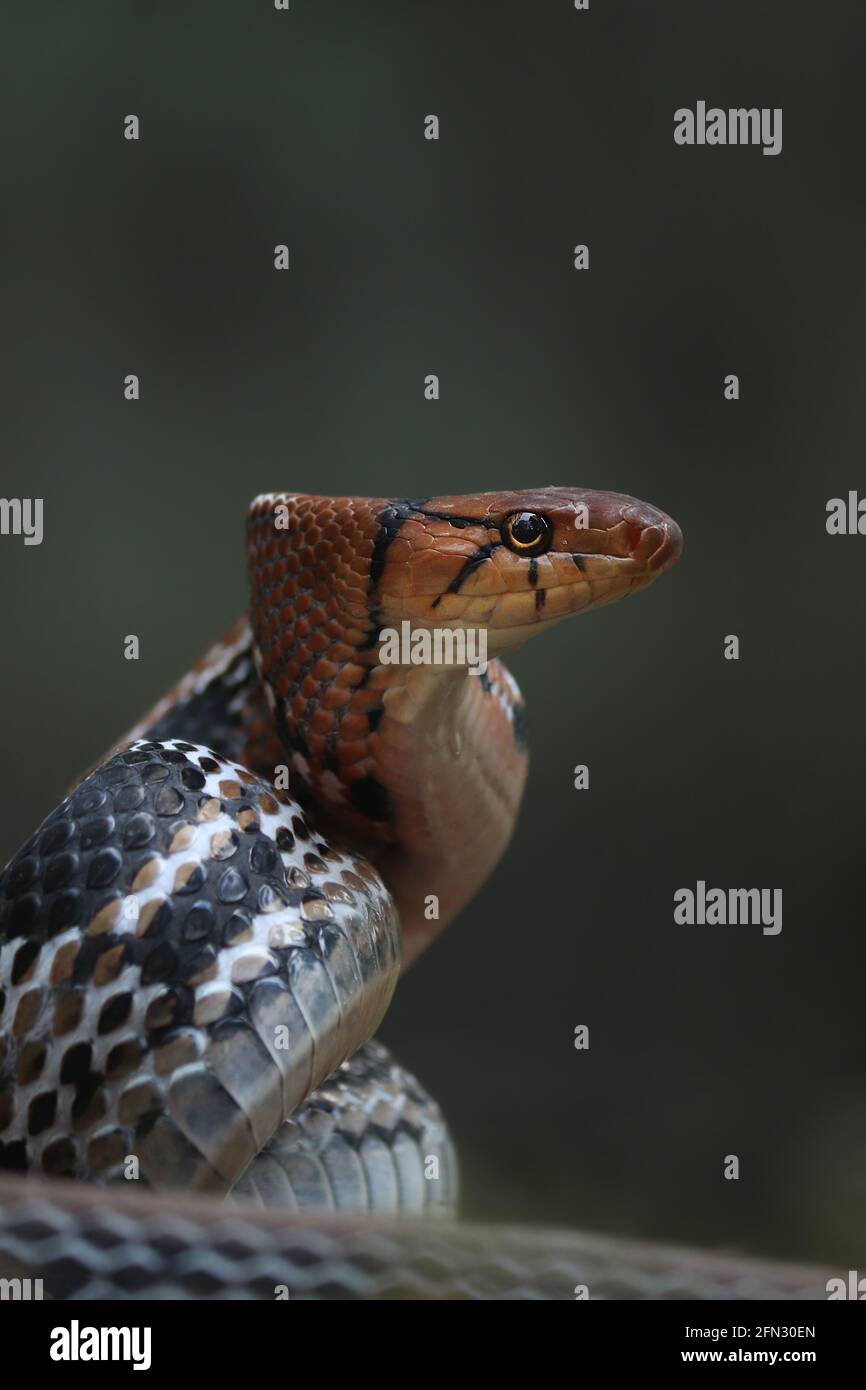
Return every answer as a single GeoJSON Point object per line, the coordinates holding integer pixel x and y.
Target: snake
{"type": "Point", "coordinates": [198, 944]}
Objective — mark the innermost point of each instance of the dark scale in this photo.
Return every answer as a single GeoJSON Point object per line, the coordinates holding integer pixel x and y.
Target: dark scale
{"type": "Point", "coordinates": [371, 797]}
{"type": "Point", "coordinates": [213, 717]}
{"type": "Point", "coordinates": [520, 726]}
{"type": "Point", "coordinates": [85, 857]}
{"type": "Point", "coordinates": [371, 1065]}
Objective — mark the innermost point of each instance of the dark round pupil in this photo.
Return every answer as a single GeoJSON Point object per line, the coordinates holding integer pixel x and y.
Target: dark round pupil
{"type": "Point", "coordinates": [526, 528]}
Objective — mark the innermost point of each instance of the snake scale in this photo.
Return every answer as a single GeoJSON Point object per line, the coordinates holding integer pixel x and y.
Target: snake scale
{"type": "Point", "coordinates": [198, 944]}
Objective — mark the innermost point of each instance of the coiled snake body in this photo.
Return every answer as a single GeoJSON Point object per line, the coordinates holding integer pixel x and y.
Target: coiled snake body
{"type": "Point", "coordinates": [194, 955]}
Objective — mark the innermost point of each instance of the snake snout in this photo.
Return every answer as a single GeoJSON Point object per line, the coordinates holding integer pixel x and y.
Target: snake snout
{"type": "Point", "coordinates": [660, 545]}
{"type": "Point", "coordinates": [628, 529]}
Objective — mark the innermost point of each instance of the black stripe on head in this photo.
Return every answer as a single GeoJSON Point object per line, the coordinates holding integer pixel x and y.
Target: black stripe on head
{"type": "Point", "coordinates": [540, 596]}
{"type": "Point", "coordinates": [533, 572]}
{"type": "Point", "coordinates": [578, 560]}
{"type": "Point", "coordinates": [468, 567]}
{"type": "Point", "coordinates": [459, 522]}
{"type": "Point", "coordinates": [390, 520]}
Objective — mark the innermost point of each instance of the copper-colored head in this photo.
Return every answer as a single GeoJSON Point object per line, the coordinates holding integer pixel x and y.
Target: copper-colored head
{"type": "Point", "coordinates": [514, 562]}
{"type": "Point", "coordinates": [510, 562]}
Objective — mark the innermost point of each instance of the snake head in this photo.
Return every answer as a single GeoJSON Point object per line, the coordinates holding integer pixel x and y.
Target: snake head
{"type": "Point", "coordinates": [517, 562]}
{"type": "Point", "coordinates": [330, 575]}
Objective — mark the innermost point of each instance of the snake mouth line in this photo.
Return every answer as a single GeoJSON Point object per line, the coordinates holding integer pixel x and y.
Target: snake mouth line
{"type": "Point", "coordinates": [635, 553]}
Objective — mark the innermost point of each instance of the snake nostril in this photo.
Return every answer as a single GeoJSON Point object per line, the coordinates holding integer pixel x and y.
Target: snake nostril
{"type": "Point", "coordinates": [634, 534]}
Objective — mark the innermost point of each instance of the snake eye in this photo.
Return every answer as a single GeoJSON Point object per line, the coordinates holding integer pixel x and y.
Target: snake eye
{"type": "Point", "coordinates": [527, 533]}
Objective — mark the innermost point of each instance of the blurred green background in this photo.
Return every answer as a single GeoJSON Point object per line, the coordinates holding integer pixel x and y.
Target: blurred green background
{"type": "Point", "coordinates": [410, 257]}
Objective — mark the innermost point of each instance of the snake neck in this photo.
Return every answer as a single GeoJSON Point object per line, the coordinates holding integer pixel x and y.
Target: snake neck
{"type": "Point", "coordinates": [451, 752]}
{"type": "Point", "coordinates": [427, 782]}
